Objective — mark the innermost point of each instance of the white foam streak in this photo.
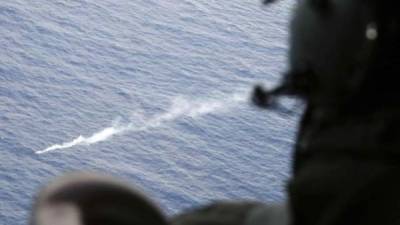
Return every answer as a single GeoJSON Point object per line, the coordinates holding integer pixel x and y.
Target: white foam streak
{"type": "Point", "coordinates": [180, 107]}
{"type": "Point", "coordinates": [81, 140]}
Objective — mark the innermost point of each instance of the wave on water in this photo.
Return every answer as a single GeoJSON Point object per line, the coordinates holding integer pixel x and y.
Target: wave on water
{"type": "Point", "coordinates": [180, 107]}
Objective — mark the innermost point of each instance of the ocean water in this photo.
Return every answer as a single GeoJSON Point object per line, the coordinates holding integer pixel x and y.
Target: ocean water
{"type": "Point", "coordinates": [153, 92]}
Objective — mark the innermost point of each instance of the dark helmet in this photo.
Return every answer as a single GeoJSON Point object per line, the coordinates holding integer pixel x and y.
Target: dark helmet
{"type": "Point", "coordinates": [342, 53]}
{"type": "Point", "coordinates": [92, 199]}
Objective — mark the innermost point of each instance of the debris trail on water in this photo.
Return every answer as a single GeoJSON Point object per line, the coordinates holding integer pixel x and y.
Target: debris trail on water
{"type": "Point", "coordinates": [180, 107]}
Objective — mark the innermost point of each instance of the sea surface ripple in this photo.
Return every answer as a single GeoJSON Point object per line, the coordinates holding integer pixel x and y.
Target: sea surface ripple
{"type": "Point", "coordinates": [75, 68]}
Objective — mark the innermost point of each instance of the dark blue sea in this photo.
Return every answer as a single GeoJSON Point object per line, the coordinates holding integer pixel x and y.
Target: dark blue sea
{"type": "Point", "coordinates": [153, 92]}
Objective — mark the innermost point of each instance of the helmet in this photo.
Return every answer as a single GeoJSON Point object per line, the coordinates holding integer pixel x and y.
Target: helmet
{"type": "Point", "coordinates": [342, 53]}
